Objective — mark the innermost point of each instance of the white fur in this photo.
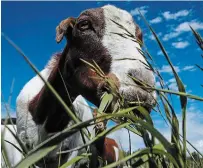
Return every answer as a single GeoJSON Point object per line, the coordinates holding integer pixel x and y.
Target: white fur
{"type": "Point", "coordinates": [14, 156]}
{"type": "Point", "coordinates": [116, 152]}
{"type": "Point", "coordinates": [123, 48]}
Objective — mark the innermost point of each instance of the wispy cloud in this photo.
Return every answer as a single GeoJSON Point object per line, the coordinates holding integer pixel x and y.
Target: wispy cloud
{"type": "Point", "coordinates": [173, 16]}
{"type": "Point", "coordinates": [156, 20]}
{"type": "Point", "coordinates": [167, 69]}
{"type": "Point", "coordinates": [189, 68]}
{"type": "Point", "coordinates": [183, 27]}
{"type": "Point", "coordinates": [180, 44]}
{"type": "Point", "coordinates": [142, 9]}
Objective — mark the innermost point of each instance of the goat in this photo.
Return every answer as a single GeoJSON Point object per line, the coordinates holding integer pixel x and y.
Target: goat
{"type": "Point", "coordinates": [94, 35]}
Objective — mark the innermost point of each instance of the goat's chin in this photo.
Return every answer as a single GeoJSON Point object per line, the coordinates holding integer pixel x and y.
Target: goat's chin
{"type": "Point", "coordinates": [138, 96]}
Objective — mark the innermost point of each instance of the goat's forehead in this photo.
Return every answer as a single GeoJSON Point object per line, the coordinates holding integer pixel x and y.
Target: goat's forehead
{"type": "Point", "coordinates": [113, 14]}
{"type": "Point", "coordinates": [108, 14]}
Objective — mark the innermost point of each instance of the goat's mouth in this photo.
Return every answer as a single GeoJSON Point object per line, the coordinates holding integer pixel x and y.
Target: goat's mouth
{"type": "Point", "coordinates": [110, 84]}
{"type": "Point", "coordinates": [138, 96]}
{"type": "Point", "coordinates": [133, 94]}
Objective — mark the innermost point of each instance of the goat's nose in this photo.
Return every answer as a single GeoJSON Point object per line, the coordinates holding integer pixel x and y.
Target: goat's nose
{"type": "Point", "coordinates": [136, 75]}
{"type": "Point", "coordinates": [133, 72]}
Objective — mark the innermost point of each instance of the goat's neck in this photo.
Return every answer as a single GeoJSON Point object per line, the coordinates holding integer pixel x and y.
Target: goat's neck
{"type": "Point", "coordinates": [47, 109]}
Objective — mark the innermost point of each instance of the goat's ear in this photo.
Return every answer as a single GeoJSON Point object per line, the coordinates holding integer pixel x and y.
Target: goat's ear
{"type": "Point", "coordinates": [138, 34]}
{"type": "Point", "coordinates": [63, 28]}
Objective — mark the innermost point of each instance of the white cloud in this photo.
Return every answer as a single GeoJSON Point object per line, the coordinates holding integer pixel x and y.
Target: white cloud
{"type": "Point", "coordinates": [142, 9]}
{"type": "Point", "coordinates": [170, 35]}
{"type": "Point", "coordinates": [156, 20]}
{"type": "Point", "coordinates": [168, 15]}
{"type": "Point", "coordinates": [183, 27]}
{"type": "Point", "coordinates": [189, 68]}
{"type": "Point", "coordinates": [167, 69]}
{"type": "Point", "coordinates": [181, 44]}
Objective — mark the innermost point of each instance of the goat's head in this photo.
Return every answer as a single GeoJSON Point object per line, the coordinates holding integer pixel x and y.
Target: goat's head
{"type": "Point", "coordinates": [110, 37]}
{"type": "Point", "coordinates": [97, 34]}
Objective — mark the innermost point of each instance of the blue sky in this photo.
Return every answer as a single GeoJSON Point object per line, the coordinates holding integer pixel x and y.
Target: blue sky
{"type": "Point", "coordinates": [31, 25]}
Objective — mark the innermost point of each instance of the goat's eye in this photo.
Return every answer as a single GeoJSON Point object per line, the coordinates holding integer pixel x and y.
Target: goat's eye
{"type": "Point", "coordinates": [83, 25]}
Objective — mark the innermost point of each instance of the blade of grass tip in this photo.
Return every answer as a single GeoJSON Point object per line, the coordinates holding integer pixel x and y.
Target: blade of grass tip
{"type": "Point", "coordinates": [199, 67]}
{"type": "Point", "coordinates": [59, 157]}
{"type": "Point", "coordinates": [106, 101]}
{"type": "Point", "coordinates": [9, 101]}
{"type": "Point", "coordinates": [130, 148]}
{"type": "Point", "coordinates": [11, 91]}
{"type": "Point", "coordinates": [181, 88]}
{"type": "Point", "coordinates": [7, 107]}
{"type": "Point", "coordinates": [199, 39]}
{"type": "Point", "coordinates": [93, 67]}
{"type": "Point", "coordinates": [98, 68]}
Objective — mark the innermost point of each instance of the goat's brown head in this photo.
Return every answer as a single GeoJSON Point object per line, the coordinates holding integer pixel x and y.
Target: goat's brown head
{"type": "Point", "coordinates": [111, 38]}
{"type": "Point", "coordinates": [97, 35]}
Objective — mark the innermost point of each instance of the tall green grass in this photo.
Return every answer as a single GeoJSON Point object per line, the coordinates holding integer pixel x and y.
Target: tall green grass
{"type": "Point", "coordinates": [171, 153]}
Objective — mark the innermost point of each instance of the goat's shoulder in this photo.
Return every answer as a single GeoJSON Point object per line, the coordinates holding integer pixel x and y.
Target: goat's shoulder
{"type": "Point", "coordinates": [30, 90]}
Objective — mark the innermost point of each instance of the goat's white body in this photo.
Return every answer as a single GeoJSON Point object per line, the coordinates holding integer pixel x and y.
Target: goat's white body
{"type": "Point", "coordinates": [32, 134]}
{"type": "Point", "coordinates": [14, 156]}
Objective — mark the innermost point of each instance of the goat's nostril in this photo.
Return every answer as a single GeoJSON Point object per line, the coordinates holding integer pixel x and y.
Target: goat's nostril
{"type": "Point", "coordinates": [130, 74]}
{"type": "Point", "coordinates": [135, 77]}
